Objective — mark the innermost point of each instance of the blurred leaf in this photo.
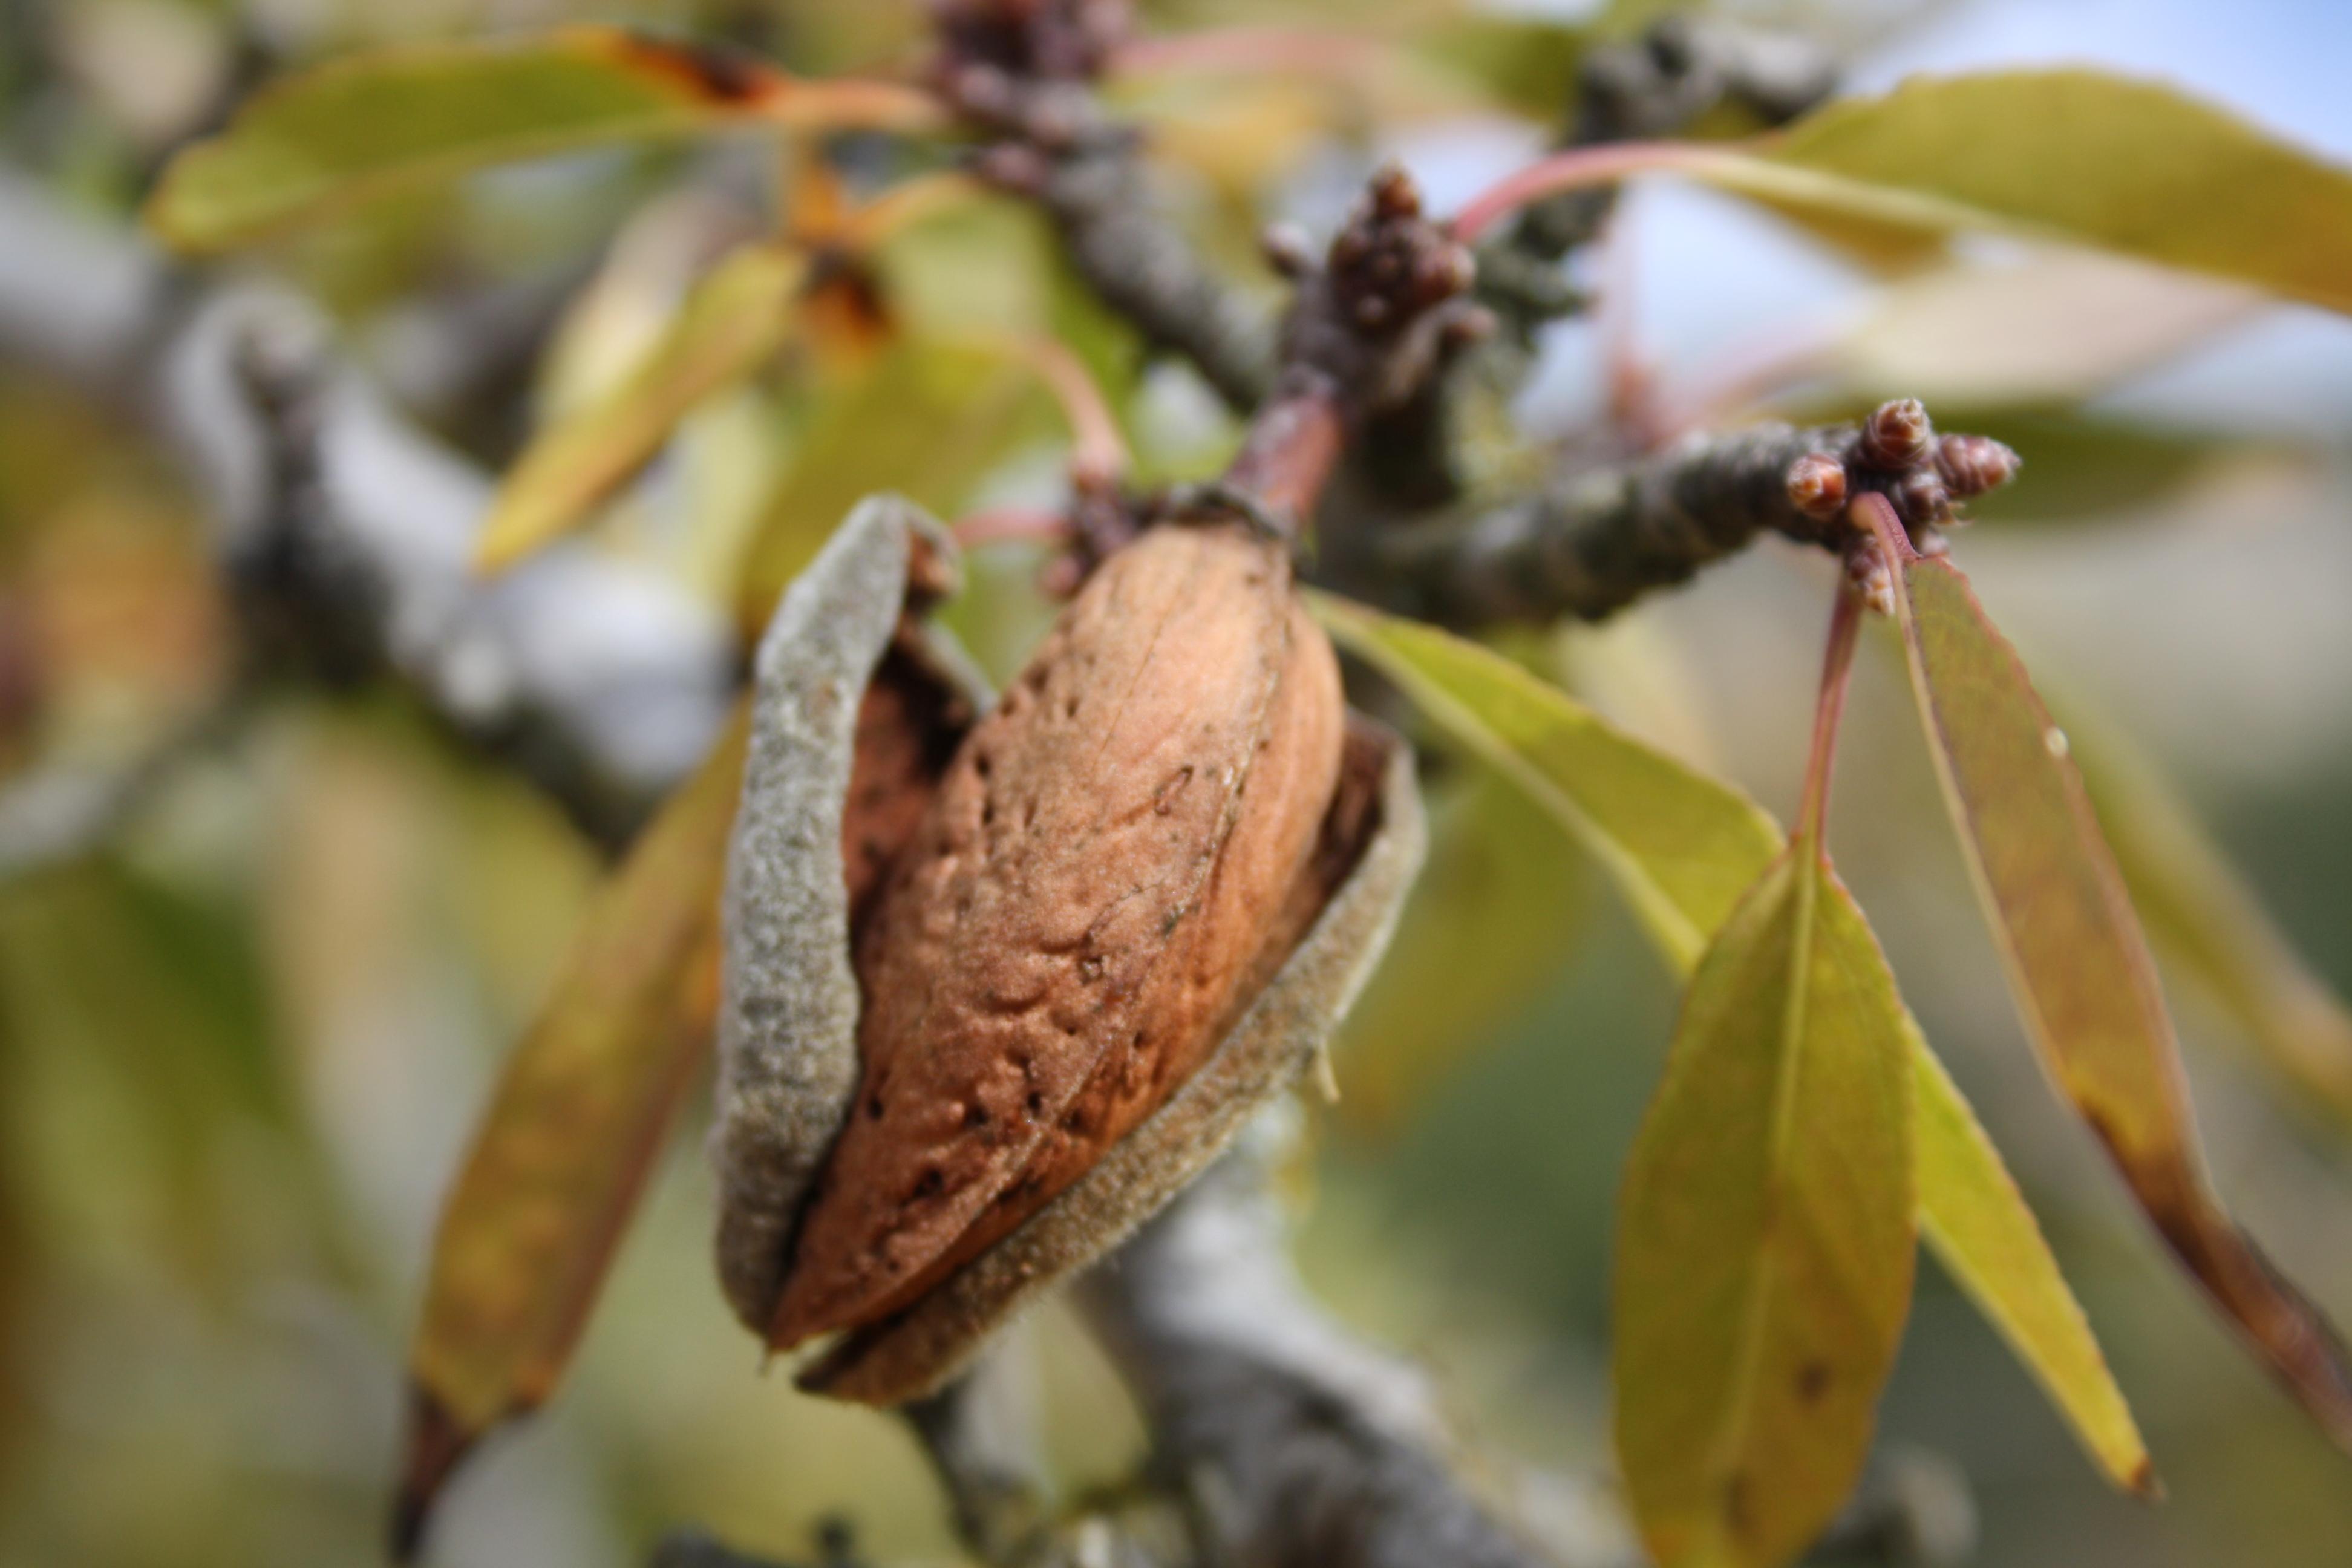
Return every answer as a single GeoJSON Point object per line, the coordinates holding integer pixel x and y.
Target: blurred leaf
{"type": "Point", "coordinates": [2203, 917]}
{"type": "Point", "coordinates": [2055, 328]}
{"type": "Point", "coordinates": [2076, 155]}
{"type": "Point", "coordinates": [1874, 246]}
{"type": "Point", "coordinates": [582, 1110]}
{"type": "Point", "coordinates": [135, 1036]}
{"type": "Point", "coordinates": [2083, 468]}
{"type": "Point", "coordinates": [926, 420]}
{"type": "Point", "coordinates": [736, 317]}
{"type": "Point", "coordinates": [1681, 845]}
{"type": "Point", "coordinates": [17, 1420]}
{"type": "Point", "coordinates": [1999, 1251]}
{"type": "Point", "coordinates": [358, 129]}
{"type": "Point", "coordinates": [2079, 966]}
{"type": "Point", "coordinates": [1978, 1223]}
{"type": "Point", "coordinates": [1241, 134]}
{"type": "Point", "coordinates": [1496, 906]}
{"type": "Point", "coordinates": [1527, 63]}
{"type": "Point", "coordinates": [1765, 1252]}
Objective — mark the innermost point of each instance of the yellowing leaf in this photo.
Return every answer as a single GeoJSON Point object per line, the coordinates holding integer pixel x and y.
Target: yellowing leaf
{"type": "Point", "coordinates": [1977, 1221]}
{"type": "Point", "coordinates": [580, 1113]}
{"type": "Point", "coordinates": [1765, 1246]}
{"type": "Point", "coordinates": [1681, 845]}
{"type": "Point", "coordinates": [2079, 966]}
{"type": "Point", "coordinates": [736, 317]}
{"type": "Point", "coordinates": [2079, 155]}
{"type": "Point", "coordinates": [1526, 63]}
{"type": "Point", "coordinates": [925, 420]}
{"type": "Point", "coordinates": [1984, 1231]}
{"type": "Point", "coordinates": [1494, 908]}
{"type": "Point", "coordinates": [2209, 925]}
{"type": "Point", "coordinates": [355, 130]}
{"type": "Point", "coordinates": [2055, 328]}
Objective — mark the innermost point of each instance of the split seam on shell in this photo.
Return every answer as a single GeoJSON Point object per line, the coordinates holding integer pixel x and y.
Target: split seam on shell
{"type": "Point", "coordinates": [1264, 1054]}
{"type": "Point", "coordinates": [788, 1017]}
{"type": "Point", "coordinates": [1258, 962]}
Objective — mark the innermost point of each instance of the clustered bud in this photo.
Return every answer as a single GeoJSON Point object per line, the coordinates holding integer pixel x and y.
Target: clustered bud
{"type": "Point", "coordinates": [1866, 568]}
{"type": "Point", "coordinates": [1894, 453]}
{"type": "Point", "coordinates": [1972, 465]}
{"type": "Point", "coordinates": [1896, 435]}
{"type": "Point", "coordinates": [1817, 486]}
{"type": "Point", "coordinates": [1387, 267]}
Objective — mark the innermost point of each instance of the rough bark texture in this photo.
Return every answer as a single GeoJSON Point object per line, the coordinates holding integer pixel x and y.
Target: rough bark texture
{"type": "Point", "coordinates": [352, 528]}
{"type": "Point", "coordinates": [1298, 1444]}
{"type": "Point", "coordinates": [1595, 539]}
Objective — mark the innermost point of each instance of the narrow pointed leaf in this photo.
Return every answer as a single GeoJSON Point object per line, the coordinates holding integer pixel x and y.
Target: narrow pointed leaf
{"type": "Point", "coordinates": [2080, 156]}
{"type": "Point", "coordinates": [355, 130]}
{"type": "Point", "coordinates": [1998, 1252]}
{"type": "Point", "coordinates": [734, 320]}
{"type": "Point", "coordinates": [1766, 1244]}
{"type": "Point", "coordinates": [2079, 966]}
{"type": "Point", "coordinates": [926, 419]}
{"type": "Point", "coordinates": [581, 1110]}
{"type": "Point", "coordinates": [1499, 901]}
{"type": "Point", "coordinates": [2209, 925]}
{"type": "Point", "coordinates": [1681, 845]}
{"type": "Point", "coordinates": [1976, 1221]}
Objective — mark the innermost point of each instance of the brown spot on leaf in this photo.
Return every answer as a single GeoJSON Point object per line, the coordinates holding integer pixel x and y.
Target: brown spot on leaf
{"type": "Point", "coordinates": [1738, 1506]}
{"type": "Point", "coordinates": [705, 71]}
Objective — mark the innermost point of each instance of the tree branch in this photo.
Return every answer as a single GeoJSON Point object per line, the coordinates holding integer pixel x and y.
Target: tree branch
{"type": "Point", "coordinates": [600, 682]}
{"type": "Point", "coordinates": [980, 1434]}
{"type": "Point", "coordinates": [1596, 539]}
{"type": "Point", "coordinates": [1021, 73]}
{"type": "Point", "coordinates": [1658, 86]}
{"type": "Point", "coordinates": [1295, 1443]}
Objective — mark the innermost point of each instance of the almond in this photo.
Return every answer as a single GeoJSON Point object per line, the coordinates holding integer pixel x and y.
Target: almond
{"type": "Point", "coordinates": [1085, 906]}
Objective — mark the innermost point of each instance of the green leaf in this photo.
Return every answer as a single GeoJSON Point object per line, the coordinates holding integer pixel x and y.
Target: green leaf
{"type": "Point", "coordinates": [2213, 928]}
{"type": "Point", "coordinates": [355, 130]}
{"type": "Point", "coordinates": [1497, 903]}
{"type": "Point", "coordinates": [925, 420]}
{"type": "Point", "coordinates": [1525, 64]}
{"type": "Point", "coordinates": [2079, 966]}
{"type": "Point", "coordinates": [2076, 155]}
{"type": "Point", "coordinates": [1998, 1250]}
{"type": "Point", "coordinates": [584, 1105]}
{"type": "Point", "coordinates": [736, 318]}
{"type": "Point", "coordinates": [1977, 1221]}
{"type": "Point", "coordinates": [1681, 845]}
{"type": "Point", "coordinates": [1765, 1249]}
{"type": "Point", "coordinates": [2086, 468]}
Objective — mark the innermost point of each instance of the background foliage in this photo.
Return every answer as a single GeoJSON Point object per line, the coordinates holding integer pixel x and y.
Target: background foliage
{"type": "Point", "coordinates": [240, 1048]}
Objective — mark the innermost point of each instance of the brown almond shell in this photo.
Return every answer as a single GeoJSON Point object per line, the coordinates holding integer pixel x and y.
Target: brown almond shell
{"type": "Point", "coordinates": [1370, 851]}
{"type": "Point", "coordinates": [1072, 929]}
